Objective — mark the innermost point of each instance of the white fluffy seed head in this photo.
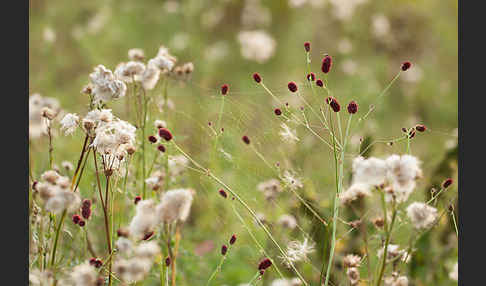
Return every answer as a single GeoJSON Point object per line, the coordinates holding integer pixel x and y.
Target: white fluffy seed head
{"type": "Point", "coordinates": [355, 191]}
{"type": "Point", "coordinates": [84, 275]}
{"type": "Point", "coordinates": [69, 123]}
{"type": "Point", "coordinates": [422, 215]}
{"type": "Point", "coordinates": [287, 221]}
{"type": "Point", "coordinates": [175, 205]}
{"type": "Point", "coordinates": [371, 171]}
{"type": "Point", "coordinates": [144, 220]}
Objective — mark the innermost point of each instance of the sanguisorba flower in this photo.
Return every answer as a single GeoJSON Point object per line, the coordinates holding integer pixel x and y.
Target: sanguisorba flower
{"type": "Point", "coordinates": [422, 215]}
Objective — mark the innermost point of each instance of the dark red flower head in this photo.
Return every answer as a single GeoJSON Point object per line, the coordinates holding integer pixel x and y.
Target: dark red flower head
{"type": "Point", "coordinates": [165, 133]}
{"type": "Point", "coordinates": [224, 89]}
{"type": "Point", "coordinates": [152, 139]}
{"type": "Point", "coordinates": [406, 65]}
{"type": "Point", "coordinates": [87, 203]}
{"type": "Point", "coordinates": [167, 261]}
{"type": "Point", "coordinates": [86, 212]}
{"type": "Point", "coordinates": [137, 199]}
{"type": "Point", "coordinates": [76, 218]}
{"type": "Point", "coordinates": [277, 111]}
{"type": "Point", "coordinates": [333, 103]}
{"type": "Point", "coordinates": [161, 148]}
{"type": "Point", "coordinates": [292, 86]}
{"type": "Point", "coordinates": [307, 46]}
{"type": "Point", "coordinates": [311, 77]}
{"type": "Point", "coordinates": [233, 239]}
{"type": "Point", "coordinates": [352, 107]}
{"type": "Point", "coordinates": [148, 235]}
{"type": "Point", "coordinates": [95, 262]}
{"type": "Point", "coordinates": [326, 64]}
{"type": "Point", "coordinates": [447, 183]}
{"type": "Point", "coordinates": [223, 193]}
{"type": "Point", "coordinates": [245, 139]}
{"type": "Point", "coordinates": [264, 264]}
{"type": "Point", "coordinates": [81, 223]}
{"type": "Point", "coordinates": [224, 249]}
{"type": "Point", "coordinates": [257, 77]}
{"type": "Point", "coordinates": [319, 83]}
{"type": "Point", "coordinates": [420, 127]}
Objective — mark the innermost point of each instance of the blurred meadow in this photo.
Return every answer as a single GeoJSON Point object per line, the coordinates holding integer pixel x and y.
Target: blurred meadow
{"type": "Point", "coordinates": [368, 41]}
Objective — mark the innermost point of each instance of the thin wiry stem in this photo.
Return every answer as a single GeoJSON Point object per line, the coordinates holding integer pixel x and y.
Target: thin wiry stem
{"type": "Point", "coordinates": [241, 201]}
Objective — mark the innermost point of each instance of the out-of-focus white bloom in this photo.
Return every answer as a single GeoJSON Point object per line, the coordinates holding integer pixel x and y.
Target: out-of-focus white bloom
{"type": "Point", "coordinates": [177, 165]}
{"type": "Point", "coordinates": [69, 123]}
{"type": "Point", "coordinates": [270, 188]}
{"type": "Point", "coordinates": [287, 221]}
{"type": "Point", "coordinates": [49, 35]}
{"type": "Point", "coordinates": [380, 26]}
{"type": "Point", "coordinates": [254, 14]}
{"type": "Point", "coordinates": [371, 171]}
{"type": "Point", "coordinates": [84, 275]}
{"type": "Point", "coordinates": [37, 124]}
{"type": "Point", "coordinates": [67, 165]}
{"type": "Point", "coordinates": [286, 282]}
{"type": "Point", "coordinates": [345, 46]}
{"type": "Point", "coordinates": [124, 245]}
{"type": "Point", "coordinates": [130, 71]}
{"type": "Point", "coordinates": [180, 41]}
{"type": "Point", "coordinates": [136, 54]}
{"type": "Point", "coordinates": [344, 9]}
{"type": "Point", "coordinates": [212, 17]}
{"type": "Point", "coordinates": [40, 278]}
{"type": "Point", "coordinates": [454, 274]}
{"type": "Point", "coordinates": [105, 86]}
{"type": "Point", "coordinates": [356, 191]}
{"type": "Point", "coordinates": [402, 171]}
{"type": "Point", "coordinates": [351, 260]}
{"type": "Point", "coordinates": [156, 180]}
{"type": "Point", "coordinates": [297, 251]}
{"type": "Point", "coordinates": [171, 6]}
{"type": "Point", "coordinates": [349, 66]}
{"type": "Point", "coordinates": [132, 270]}
{"type": "Point", "coordinates": [287, 134]}
{"type": "Point", "coordinates": [54, 191]}
{"type": "Point", "coordinates": [150, 77]}
{"type": "Point", "coordinates": [291, 180]}
{"type": "Point", "coordinates": [297, 3]}
{"type": "Point", "coordinates": [421, 215]}
{"type": "Point", "coordinates": [144, 220]}
{"type": "Point", "coordinates": [395, 280]}
{"type": "Point", "coordinates": [147, 250]}
{"type": "Point", "coordinates": [393, 252]}
{"type": "Point", "coordinates": [175, 205]}
{"type": "Point", "coordinates": [353, 275]}
{"type": "Point", "coordinates": [257, 45]}
{"type": "Point", "coordinates": [217, 51]}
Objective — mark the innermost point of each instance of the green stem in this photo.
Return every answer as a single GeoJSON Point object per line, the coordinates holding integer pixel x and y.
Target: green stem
{"type": "Point", "coordinates": [385, 251]}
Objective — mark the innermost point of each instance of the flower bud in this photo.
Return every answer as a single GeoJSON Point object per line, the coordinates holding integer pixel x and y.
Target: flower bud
{"type": "Point", "coordinates": [165, 133]}
{"type": "Point", "coordinates": [224, 89]}
{"type": "Point", "coordinates": [161, 148]}
{"type": "Point", "coordinates": [326, 64]}
{"type": "Point", "coordinates": [232, 239]}
{"type": "Point", "coordinates": [307, 46]}
{"type": "Point", "coordinates": [420, 127]}
{"type": "Point", "coordinates": [277, 111]}
{"type": "Point", "coordinates": [224, 249]}
{"type": "Point", "coordinates": [292, 86]}
{"type": "Point", "coordinates": [137, 199]}
{"type": "Point", "coordinates": [257, 77]}
{"type": "Point", "coordinates": [319, 83]}
{"type": "Point", "coordinates": [264, 264]}
{"type": "Point", "coordinates": [223, 193]}
{"type": "Point", "coordinates": [245, 139]}
{"type": "Point", "coordinates": [447, 183]}
{"type": "Point", "coordinates": [406, 65]}
{"type": "Point", "coordinates": [352, 107]}
{"type": "Point", "coordinates": [152, 139]}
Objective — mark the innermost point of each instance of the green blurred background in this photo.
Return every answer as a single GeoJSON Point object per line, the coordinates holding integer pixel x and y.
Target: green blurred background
{"type": "Point", "coordinates": [368, 41]}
